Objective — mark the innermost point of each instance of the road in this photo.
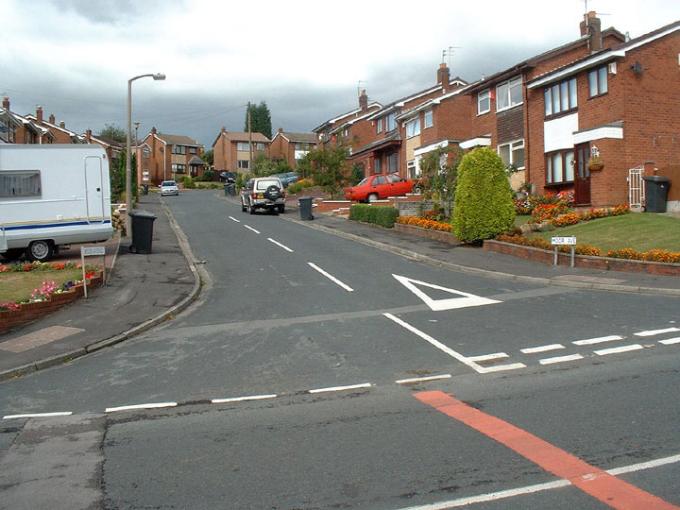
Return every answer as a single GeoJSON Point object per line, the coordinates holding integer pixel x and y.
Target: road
{"type": "Point", "coordinates": [316, 372]}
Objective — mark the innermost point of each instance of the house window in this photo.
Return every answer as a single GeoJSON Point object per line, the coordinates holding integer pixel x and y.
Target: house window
{"type": "Point", "coordinates": [377, 166]}
{"type": "Point", "coordinates": [560, 98]}
{"type": "Point", "coordinates": [243, 164]}
{"type": "Point", "coordinates": [512, 154]}
{"type": "Point", "coordinates": [20, 184]}
{"type": "Point", "coordinates": [393, 163]}
{"type": "Point", "coordinates": [412, 128]}
{"type": "Point", "coordinates": [391, 122]}
{"type": "Point", "coordinates": [193, 150]}
{"type": "Point", "coordinates": [509, 94]}
{"type": "Point", "coordinates": [379, 126]}
{"type": "Point", "coordinates": [345, 133]}
{"type": "Point", "coordinates": [559, 167]}
{"type": "Point", "coordinates": [8, 131]}
{"type": "Point", "coordinates": [412, 170]}
{"type": "Point", "coordinates": [428, 121]}
{"type": "Point", "coordinates": [178, 168]}
{"type": "Point", "coordinates": [597, 81]}
{"type": "Point", "coordinates": [179, 149]}
{"type": "Point", "coordinates": [483, 102]}
{"type": "Point", "coordinates": [259, 146]}
{"type": "Point", "coordinates": [242, 146]}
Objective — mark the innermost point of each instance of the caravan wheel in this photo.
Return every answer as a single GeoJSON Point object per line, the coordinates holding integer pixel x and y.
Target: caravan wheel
{"type": "Point", "coordinates": [40, 250]}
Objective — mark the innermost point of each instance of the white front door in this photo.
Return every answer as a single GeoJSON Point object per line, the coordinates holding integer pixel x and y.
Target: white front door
{"type": "Point", "coordinates": [94, 191]}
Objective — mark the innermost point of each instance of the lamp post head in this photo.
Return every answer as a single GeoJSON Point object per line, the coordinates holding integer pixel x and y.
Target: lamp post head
{"type": "Point", "coordinates": [159, 76]}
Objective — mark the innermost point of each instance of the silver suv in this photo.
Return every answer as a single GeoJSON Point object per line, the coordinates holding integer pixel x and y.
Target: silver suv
{"type": "Point", "coordinates": [263, 193]}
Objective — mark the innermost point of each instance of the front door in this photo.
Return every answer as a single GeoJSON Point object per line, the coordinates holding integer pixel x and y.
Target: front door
{"type": "Point", "coordinates": [582, 174]}
{"type": "Point", "coordinates": [94, 192]}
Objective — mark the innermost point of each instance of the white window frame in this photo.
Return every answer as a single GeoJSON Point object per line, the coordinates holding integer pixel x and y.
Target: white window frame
{"type": "Point", "coordinates": [240, 145]}
{"type": "Point", "coordinates": [390, 119]}
{"type": "Point", "coordinates": [482, 96]}
{"type": "Point", "coordinates": [513, 146]}
{"type": "Point", "coordinates": [601, 81]}
{"type": "Point", "coordinates": [412, 128]}
{"type": "Point", "coordinates": [240, 164]}
{"type": "Point", "coordinates": [379, 125]}
{"type": "Point", "coordinates": [428, 115]}
{"type": "Point", "coordinates": [508, 95]}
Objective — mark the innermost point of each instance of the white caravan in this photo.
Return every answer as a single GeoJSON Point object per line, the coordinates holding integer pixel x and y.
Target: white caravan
{"type": "Point", "coordinates": [52, 195]}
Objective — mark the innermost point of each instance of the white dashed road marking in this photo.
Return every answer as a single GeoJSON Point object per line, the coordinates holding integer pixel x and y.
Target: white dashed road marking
{"type": "Point", "coordinates": [654, 332]}
{"type": "Point", "coordinates": [616, 350]}
{"type": "Point", "coordinates": [280, 245]}
{"type": "Point", "coordinates": [670, 341]}
{"type": "Point", "coordinates": [542, 348]}
{"type": "Point", "coordinates": [423, 379]}
{"type": "Point", "coordinates": [599, 340]}
{"type": "Point", "coordinates": [234, 219]}
{"type": "Point", "coordinates": [252, 229]}
{"type": "Point", "coordinates": [241, 399]}
{"type": "Point", "coordinates": [560, 359]}
{"type": "Point", "coordinates": [156, 405]}
{"type": "Point", "coordinates": [340, 388]}
{"type": "Point", "coordinates": [36, 415]}
{"type": "Point", "coordinates": [331, 277]}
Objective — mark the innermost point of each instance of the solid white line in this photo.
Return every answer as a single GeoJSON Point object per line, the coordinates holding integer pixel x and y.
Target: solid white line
{"type": "Point", "coordinates": [241, 399]}
{"type": "Point", "coordinates": [616, 350]}
{"type": "Point", "coordinates": [670, 341]}
{"type": "Point", "coordinates": [599, 340]}
{"type": "Point", "coordinates": [653, 332]}
{"type": "Point", "coordinates": [234, 219]}
{"type": "Point", "coordinates": [559, 359]}
{"type": "Point", "coordinates": [156, 405]}
{"type": "Point", "coordinates": [280, 245]}
{"type": "Point", "coordinates": [36, 415]}
{"type": "Point", "coordinates": [542, 348]}
{"type": "Point", "coordinates": [341, 388]}
{"type": "Point", "coordinates": [487, 357]}
{"type": "Point", "coordinates": [423, 379]}
{"type": "Point", "coordinates": [331, 277]}
{"type": "Point", "coordinates": [501, 368]}
{"type": "Point", "coordinates": [251, 228]}
{"type": "Point", "coordinates": [464, 360]}
{"type": "Point", "coordinates": [530, 489]}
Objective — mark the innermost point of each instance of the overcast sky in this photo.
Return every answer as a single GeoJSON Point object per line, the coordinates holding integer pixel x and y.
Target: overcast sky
{"type": "Point", "coordinates": [304, 58]}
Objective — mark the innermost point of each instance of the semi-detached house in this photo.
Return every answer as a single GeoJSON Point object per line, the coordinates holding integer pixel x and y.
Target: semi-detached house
{"type": "Point", "coordinates": [162, 156]}
{"type": "Point", "coordinates": [232, 150]}
{"type": "Point", "coordinates": [291, 147]}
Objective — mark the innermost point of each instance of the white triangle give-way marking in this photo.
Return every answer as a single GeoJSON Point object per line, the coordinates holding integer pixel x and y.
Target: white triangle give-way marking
{"type": "Point", "coordinates": [463, 300]}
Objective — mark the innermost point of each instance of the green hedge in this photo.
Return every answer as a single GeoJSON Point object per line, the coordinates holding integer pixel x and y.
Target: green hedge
{"type": "Point", "coordinates": [380, 215]}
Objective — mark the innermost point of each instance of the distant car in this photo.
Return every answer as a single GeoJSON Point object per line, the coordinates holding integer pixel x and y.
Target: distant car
{"type": "Point", "coordinates": [263, 193]}
{"type": "Point", "coordinates": [169, 188]}
{"type": "Point", "coordinates": [228, 176]}
{"type": "Point", "coordinates": [378, 187]}
{"type": "Point", "coordinates": [287, 178]}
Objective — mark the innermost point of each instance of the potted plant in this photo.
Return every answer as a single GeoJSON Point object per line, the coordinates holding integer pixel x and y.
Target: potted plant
{"type": "Point", "coordinates": [595, 163]}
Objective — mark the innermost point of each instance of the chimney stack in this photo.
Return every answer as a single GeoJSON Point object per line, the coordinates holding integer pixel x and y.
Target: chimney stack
{"type": "Point", "coordinates": [39, 114]}
{"type": "Point", "coordinates": [88, 136]}
{"type": "Point", "coordinates": [51, 119]}
{"type": "Point", "coordinates": [592, 27]}
{"type": "Point", "coordinates": [443, 76]}
{"type": "Point", "coordinates": [5, 103]}
{"type": "Point", "coordinates": [153, 130]}
{"type": "Point", "coordinates": [62, 125]}
{"type": "Point", "coordinates": [280, 130]}
{"type": "Point", "coordinates": [363, 100]}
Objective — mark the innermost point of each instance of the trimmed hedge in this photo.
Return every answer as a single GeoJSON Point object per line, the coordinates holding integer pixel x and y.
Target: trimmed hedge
{"type": "Point", "coordinates": [380, 215]}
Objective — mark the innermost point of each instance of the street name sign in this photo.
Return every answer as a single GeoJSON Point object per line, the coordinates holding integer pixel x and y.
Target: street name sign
{"type": "Point", "coordinates": [563, 241]}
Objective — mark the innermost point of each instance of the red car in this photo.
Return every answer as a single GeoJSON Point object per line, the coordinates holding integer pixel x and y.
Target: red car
{"type": "Point", "coordinates": [378, 187]}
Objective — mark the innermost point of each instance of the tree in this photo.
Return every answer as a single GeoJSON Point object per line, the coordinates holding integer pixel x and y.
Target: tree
{"type": "Point", "coordinates": [263, 166]}
{"type": "Point", "coordinates": [260, 119]}
{"type": "Point", "coordinates": [326, 166]}
{"type": "Point", "coordinates": [118, 177]}
{"type": "Point", "coordinates": [209, 157]}
{"type": "Point", "coordinates": [484, 206]}
{"type": "Point", "coordinates": [439, 172]}
{"type": "Point", "coordinates": [113, 132]}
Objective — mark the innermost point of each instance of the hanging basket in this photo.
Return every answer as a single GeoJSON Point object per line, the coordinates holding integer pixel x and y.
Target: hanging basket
{"type": "Point", "coordinates": [595, 165]}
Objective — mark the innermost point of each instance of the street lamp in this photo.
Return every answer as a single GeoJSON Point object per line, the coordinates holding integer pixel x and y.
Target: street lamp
{"type": "Point", "coordinates": [128, 156]}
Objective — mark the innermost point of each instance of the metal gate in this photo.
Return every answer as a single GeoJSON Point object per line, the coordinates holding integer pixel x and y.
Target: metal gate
{"type": "Point", "coordinates": [636, 188]}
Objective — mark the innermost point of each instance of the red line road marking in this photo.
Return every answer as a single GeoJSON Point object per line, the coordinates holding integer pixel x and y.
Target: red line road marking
{"type": "Point", "coordinates": [593, 481]}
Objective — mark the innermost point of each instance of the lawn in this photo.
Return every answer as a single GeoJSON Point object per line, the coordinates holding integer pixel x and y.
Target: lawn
{"type": "Point", "coordinates": [639, 231]}
{"type": "Point", "coordinates": [521, 219]}
{"type": "Point", "coordinates": [19, 286]}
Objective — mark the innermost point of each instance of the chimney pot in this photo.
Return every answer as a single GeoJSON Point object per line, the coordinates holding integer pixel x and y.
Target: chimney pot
{"type": "Point", "coordinates": [280, 130]}
{"type": "Point", "coordinates": [153, 130]}
{"type": "Point", "coordinates": [39, 113]}
{"type": "Point", "coordinates": [62, 125]}
{"type": "Point", "coordinates": [51, 118]}
{"type": "Point", "coordinates": [5, 103]}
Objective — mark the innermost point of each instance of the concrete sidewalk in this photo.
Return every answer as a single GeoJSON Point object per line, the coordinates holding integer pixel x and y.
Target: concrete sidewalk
{"type": "Point", "coordinates": [476, 260]}
{"type": "Point", "coordinates": [142, 291]}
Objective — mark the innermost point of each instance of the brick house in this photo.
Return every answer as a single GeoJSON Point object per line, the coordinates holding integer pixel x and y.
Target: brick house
{"type": "Point", "coordinates": [337, 130]}
{"type": "Point", "coordinates": [621, 102]}
{"type": "Point", "coordinates": [58, 131]}
{"type": "Point", "coordinates": [290, 147]}
{"type": "Point", "coordinates": [385, 142]}
{"type": "Point", "coordinates": [114, 150]}
{"type": "Point", "coordinates": [499, 113]}
{"type": "Point", "coordinates": [162, 156]}
{"type": "Point", "coordinates": [231, 150]}
{"type": "Point", "coordinates": [15, 128]}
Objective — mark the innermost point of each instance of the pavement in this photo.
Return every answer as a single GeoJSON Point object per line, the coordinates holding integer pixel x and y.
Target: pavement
{"type": "Point", "coordinates": [142, 291]}
{"type": "Point", "coordinates": [146, 290]}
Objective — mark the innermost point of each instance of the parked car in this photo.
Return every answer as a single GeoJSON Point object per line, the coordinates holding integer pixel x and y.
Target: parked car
{"type": "Point", "coordinates": [287, 178]}
{"type": "Point", "coordinates": [228, 176]}
{"type": "Point", "coordinates": [263, 193]}
{"type": "Point", "coordinates": [169, 188]}
{"type": "Point", "coordinates": [378, 187]}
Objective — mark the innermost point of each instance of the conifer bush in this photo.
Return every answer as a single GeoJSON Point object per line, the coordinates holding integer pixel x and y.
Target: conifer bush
{"type": "Point", "coordinates": [483, 203]}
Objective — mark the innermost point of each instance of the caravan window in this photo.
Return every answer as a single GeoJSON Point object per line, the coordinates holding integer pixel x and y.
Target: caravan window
{"type": "Point", "coordinates": [20, 184]}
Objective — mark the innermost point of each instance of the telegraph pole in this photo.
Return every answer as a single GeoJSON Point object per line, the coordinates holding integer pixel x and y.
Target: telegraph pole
{"type": "Point", "coordinates": [250, 140]}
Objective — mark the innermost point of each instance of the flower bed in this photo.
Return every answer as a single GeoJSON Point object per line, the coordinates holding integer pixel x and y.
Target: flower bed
{"type": "Point", "coordinates": [424, 223]}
